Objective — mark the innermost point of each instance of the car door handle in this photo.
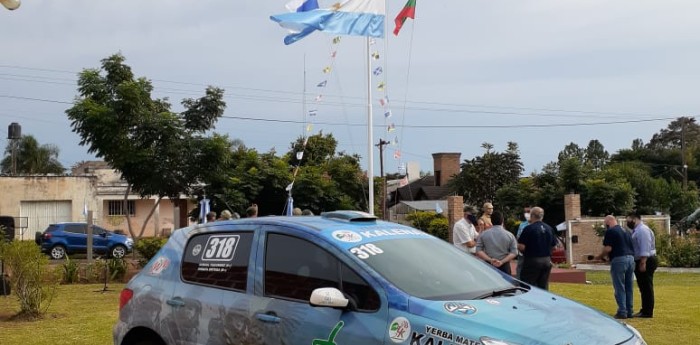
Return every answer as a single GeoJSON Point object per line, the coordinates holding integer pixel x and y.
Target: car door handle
{"type": "Point", "coordinates": [175, 302]}
{"type": "Point", "coordinates": [269, 317]}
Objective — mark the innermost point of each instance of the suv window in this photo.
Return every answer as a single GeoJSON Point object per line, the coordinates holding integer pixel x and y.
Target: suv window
{"type": "Point", "coordinates": [295, 267]}
{"type": "Point", "coordinates": [75, 228]}
{"type": "Point", "coordinates": [218, 259]}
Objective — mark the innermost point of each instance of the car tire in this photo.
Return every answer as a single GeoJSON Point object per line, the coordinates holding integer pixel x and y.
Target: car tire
{"type": "Point", "coordinates": [118, 251]}
{"type": "Point", "coordinates": [57, 252]}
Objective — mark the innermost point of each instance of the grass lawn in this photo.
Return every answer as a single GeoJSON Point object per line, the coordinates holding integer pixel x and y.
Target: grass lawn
{"type": "Point", "coordinates": [676, 312]}
{"type": "Point", "coordinates": [81, 316]}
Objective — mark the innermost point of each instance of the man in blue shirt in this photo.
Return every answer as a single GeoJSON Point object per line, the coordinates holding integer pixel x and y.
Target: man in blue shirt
{"type": "Point", "coordinates": [644, 244]}
{"type": "Point", "coordinates": [617, 245]}
{"type": "Point", "coordinates": [536, 243]}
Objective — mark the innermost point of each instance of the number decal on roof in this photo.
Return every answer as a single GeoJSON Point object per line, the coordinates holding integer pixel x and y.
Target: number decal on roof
{"type": "Point", "coordinates": [366, 250]}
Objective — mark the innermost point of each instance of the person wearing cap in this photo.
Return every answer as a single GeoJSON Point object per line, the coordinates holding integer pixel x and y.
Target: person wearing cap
{"type": "Point", "coordinates": [464, 233]}
{"type": "Point", "coordinates": [485, 219]}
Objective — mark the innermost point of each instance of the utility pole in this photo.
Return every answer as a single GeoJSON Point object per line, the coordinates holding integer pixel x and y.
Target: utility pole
{"type": "Point", "coordinates": [683, 161]}
{"type": "Point", "coordinates": [381, 145]}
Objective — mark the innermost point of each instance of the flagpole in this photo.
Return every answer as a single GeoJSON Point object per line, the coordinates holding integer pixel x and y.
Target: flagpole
{"type": "Point", "coordinates": [370, 139]}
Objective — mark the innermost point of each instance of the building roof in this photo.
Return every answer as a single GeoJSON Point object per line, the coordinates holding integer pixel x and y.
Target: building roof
{"type": "Point", "coordinates": [426, 205]}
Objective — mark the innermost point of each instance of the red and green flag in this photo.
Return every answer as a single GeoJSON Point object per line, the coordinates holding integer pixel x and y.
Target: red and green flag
{"type": "Point", "coordinates": [408, 11]}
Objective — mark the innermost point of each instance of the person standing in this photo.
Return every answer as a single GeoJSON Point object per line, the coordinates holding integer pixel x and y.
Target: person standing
{"type": "Point", "coordinates": [252, 211]}
{"type": "Point", "coordinates": [497, 246]}
{"type": "Point", "coordinates": [645, 262]}
{"type": "Point", "coordinates": [617, 246]}
{"type": "Point", "coordinates": [464, 233]}
{"type": "Point", "coordinates": [536, 243]}
{"type": "Point", "coordinates": [523, 224]}
{"type": "Point", "coordinates": [484, 222]}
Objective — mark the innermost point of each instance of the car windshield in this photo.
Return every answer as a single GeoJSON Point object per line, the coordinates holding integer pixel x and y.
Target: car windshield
{"type": "Point", "coordinates": [431, 269]}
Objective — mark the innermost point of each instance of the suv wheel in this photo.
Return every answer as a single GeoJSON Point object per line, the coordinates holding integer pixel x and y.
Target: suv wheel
{"type": "Point", "coordinates": [118, 251]}
{"type": "Point", "coordinates": [58, 252]}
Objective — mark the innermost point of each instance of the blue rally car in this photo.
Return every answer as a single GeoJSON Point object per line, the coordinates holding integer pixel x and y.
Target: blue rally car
{"type": "Point", "coordinates": [342, 278]}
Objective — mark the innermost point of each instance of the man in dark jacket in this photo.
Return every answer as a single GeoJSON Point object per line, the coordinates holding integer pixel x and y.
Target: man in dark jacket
{"type": "Point", "coordinates": [536, 243]}
{"type": "Point", "coordinates": [617, 245]}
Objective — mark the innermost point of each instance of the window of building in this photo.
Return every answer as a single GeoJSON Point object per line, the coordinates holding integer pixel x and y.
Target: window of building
{"type": "Point", "coordinates": [218, 259]}
{"type": "Point", "coordinates": [294, 268]}
{"type": "Point", "coordinates": [116, 207]}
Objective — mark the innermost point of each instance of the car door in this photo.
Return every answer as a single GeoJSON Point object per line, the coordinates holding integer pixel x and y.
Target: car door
{"type": "Point", "coordinates": [293, 264]}
{"type": "Point", "coordinates": [204, 309]}
{"type": "Point", "coordinates": [76, 237]}
{"type": "Point", "coordinates": [100, 239]}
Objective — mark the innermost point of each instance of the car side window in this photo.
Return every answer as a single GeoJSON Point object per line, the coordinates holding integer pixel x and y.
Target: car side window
{"type": "Point", "coordinates": [75, 228]}
{"type": "Point", "coordinates": [294, 268]}
{"type": "Point", "coordinates": [218, 259]}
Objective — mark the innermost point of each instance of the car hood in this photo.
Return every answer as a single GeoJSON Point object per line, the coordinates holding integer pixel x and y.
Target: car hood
{"type": "Point", "coordinates": [534, 317]}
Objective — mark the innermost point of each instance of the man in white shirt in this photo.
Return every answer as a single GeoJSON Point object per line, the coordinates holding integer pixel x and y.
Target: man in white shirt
{"type": "Point", "coordinates": [464, 233]}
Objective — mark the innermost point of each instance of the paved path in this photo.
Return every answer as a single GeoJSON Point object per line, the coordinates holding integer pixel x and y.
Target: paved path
{"type": "Point", "coordinates": [660, 269]}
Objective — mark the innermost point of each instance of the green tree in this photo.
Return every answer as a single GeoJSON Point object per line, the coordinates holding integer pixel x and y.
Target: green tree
{"type": "Point", "coordinates": [31, 157]}
{"type": "Point", "coordinates": [481, 177]}
{"type": "Point", "coordinates": [157, 151]}
{"type": "Point", "coordinates": [595, 155]}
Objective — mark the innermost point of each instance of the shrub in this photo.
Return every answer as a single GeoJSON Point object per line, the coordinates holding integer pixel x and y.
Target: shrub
{"type": "Point", "coordinates": [430, 222]}
{"type": "Point", "coordinates": [683, 252]}
{"type": "Point", "coordinates": [147, 248]}
{"type": "Point", "coordinates": [33, 281]}
{"type": "Point", "coordinates": [438, 227]}
{"type": "Point", "coordinates": [117, 268]}
{"type": "Point", "coordinates": [71, 271]}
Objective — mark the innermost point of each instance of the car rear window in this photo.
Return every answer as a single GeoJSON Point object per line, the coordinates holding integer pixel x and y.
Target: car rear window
{"type": "Point", "coordinates": [218, 259]}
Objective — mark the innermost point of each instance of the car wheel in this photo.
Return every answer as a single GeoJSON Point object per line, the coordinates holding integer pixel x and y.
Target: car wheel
{"type": "Point", "coordinates": [58, 252]}
{"type": "Point", "coordinates": [118, 251]}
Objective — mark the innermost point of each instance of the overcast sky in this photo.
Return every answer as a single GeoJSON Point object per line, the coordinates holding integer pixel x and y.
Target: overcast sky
{"type": "Point", "coordinates": [460, 65]}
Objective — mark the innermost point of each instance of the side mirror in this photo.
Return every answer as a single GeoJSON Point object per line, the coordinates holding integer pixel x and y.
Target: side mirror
{"type": "Point", "coordinates": [103, 234]}
{"type": "Point", "coordinates": [328, 297]}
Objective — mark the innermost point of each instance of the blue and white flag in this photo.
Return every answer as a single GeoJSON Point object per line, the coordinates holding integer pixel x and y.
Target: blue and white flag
{"type": "Point", "coordinates": [301, 5]}
{"type": "Point", "coordinates": [438, 209]}
{"type": "Point", "coordinates": [352, 17]}
{"type": "Point", "coordinates": [203, 210]}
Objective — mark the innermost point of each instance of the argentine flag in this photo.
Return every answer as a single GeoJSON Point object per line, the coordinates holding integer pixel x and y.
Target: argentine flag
{"type": "Point", "coordinates": [352, 17]}
{"type": "Point", "coordinates": [203, 210]}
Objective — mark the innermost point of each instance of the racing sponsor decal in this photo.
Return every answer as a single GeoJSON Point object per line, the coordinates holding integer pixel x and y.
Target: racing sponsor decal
{"type": "Point", "coordinates": [159, 266]}
{"type": "Point", "coordinates": [196, 250]}
{"type": "Point", "coordinates": [444, 338]}
{"type": "Point", "coordinates": [399, 330]}
{"type": "Point", "coordinates": [331, 337]}
{"type": "Point", "coordinates": [460, 308]}
{"type": "Point", "coordinates": [347, 236]}
{"type": "Point", "coordinates": [493, 301]}
{"type": "Point", "coordinates": [366, 250]}
{"type": "Point", "coordinates": [220, 248]}
{"type": "Point", "coordinates": [391, 232]}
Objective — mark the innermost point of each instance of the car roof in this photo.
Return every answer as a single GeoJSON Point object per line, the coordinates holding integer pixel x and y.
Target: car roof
{"type": "Point", "coordinates": [345, 228]}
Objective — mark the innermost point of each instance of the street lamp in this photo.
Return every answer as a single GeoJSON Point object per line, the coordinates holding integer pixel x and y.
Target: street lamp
{"type": "Point", "coordinates": [11, 4]}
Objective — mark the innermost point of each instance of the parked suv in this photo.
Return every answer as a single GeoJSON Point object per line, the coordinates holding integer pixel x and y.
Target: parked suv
{"type": "Point", "coordinates": [66, 238]}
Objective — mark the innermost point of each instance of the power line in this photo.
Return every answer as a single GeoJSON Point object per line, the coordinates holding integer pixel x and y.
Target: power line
{"type": "Point", "coordinates": [360, 99]}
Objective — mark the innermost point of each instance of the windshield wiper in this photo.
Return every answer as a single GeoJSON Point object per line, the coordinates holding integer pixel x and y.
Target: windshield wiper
{"type": "Point", "coordinates": [500, 292]}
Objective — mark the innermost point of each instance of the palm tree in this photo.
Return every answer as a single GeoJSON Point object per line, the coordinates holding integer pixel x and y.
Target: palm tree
{"type": "Point", "coordinates": [32, 158]}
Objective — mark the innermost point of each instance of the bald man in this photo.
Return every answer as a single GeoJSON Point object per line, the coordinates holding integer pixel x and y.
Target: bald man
{"type": "Point", "coordinates": [617, 245]}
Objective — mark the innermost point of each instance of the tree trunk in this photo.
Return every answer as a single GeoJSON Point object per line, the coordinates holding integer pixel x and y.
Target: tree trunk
{"type": "Point", "coordinates": [145, 222]}
{"type": "Point", "coordinates": [126, 212]}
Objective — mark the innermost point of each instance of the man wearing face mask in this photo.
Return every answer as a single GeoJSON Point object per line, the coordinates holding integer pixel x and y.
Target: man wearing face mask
{"type": "Point", "coordinates": [617, 245]}
{"type": "Point", "coordinates": [536, 243]}
{"type": "Point", "coordinates": [464, 233]}
{"type": "Point", "coordinates": [644, 245]}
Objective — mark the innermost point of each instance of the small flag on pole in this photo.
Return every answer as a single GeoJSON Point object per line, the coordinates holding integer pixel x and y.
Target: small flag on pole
{"type": "Point", "coordinates": [408, 11]}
